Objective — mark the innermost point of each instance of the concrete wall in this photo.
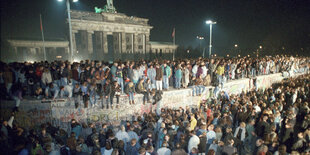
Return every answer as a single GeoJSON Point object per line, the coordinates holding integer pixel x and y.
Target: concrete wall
{"type": "Point", "coordinates": [60, 112]}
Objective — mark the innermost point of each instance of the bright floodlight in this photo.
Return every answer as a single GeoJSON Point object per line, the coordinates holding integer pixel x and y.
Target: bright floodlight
{"type": "Point", "coordinates": [75, 0]}
{"type": "Point", "coordinates": [210, 22]}
{"type": "Point", "coordinates": [59, 0]}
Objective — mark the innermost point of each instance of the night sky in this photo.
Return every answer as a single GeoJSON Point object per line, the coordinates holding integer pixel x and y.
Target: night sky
{"type": "Point", "coordinates": [274, 24]}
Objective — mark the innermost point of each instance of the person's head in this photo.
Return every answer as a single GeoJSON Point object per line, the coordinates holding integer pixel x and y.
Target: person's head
{"type": "Point", "coordinates": [149, 135]}
{"type": "Point", "coordinates": [259, 142]}
{"type": "Point", "coordinates": [72, 134]}
{"type": "Point", "coordinates": [211, 152]}
{"type": "Point", "coordinates": [242, 125]}
{"type": "Point", "coordinates": [252, 122]}
{"type": "Point", "coordinates": [48, 148]}
{"type": "Point", "coordinates": [211, 127]}
{"type": "Point", "coordinates": [142, 151]}
{"type": "Point", "coordinates": [123, 128]}
{"type": "Point", "coordinates": [149, 149]}
{"type": "Point", "coordinates": [228, 130]}
{"type": "Point", "coordinates": [300, 135]}
{"type": "Point", "coordinates": [5, 123]}
{"type": "Point", "coordinates": [165, 144]}
{"type": "Point", "coordinates": [77, 85]}
{"type": "Point", "coordinates": [167, 137]}
{"type": "Point", "coordinates": [133, 142]}
{"type": "Point", "coordinates": [121, 144]}
{"type": "Point", "coordinates": [43, 131]}
{"type": "Point", "coordinates": [194, 150]}
{"type": "Point", "coordinates": [179, 152]}
{"type": "Point", "coordinates": [265, 117]}
{"type": "Point", "coordinates": [282, 149]}
{"type": "Point", "coordinates": [108, 146]}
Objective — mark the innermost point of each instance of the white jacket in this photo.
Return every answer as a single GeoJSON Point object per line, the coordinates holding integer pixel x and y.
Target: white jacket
{"type": "Point", "coordinates": [193, 142]}
{"type": "Point", "coordinates": [46, 77]}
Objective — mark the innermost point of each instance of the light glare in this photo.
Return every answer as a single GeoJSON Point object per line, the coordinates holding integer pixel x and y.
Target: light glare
{"type": "Point", "coordinates": [210, 22]}
{"type": "Point", "coordinates": [75, 1]}
{"type": "Point", "coordinates": [59, 0]}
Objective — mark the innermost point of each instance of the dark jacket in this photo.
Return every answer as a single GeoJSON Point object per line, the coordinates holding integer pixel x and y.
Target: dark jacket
{"type": "Point", "coordinates": [107, 89]}
{"type": "Point", "coordinates": [65, 73]}
{"type": "Point", "coordinates": [132, 150]}
{"type": "Point", "coordinates": [55, 74]}
{"type": "Point", "coordinates": [130, 74]}
{"type": "Point", "coordinates": [129, 89]}
{"type": "Point", "coordinates": [203, 144]}
{"type": "Point", "coordinates": [159, 74]}
{"type": "Point", "coordinates": [115, 91]}
{"type": "Point", "coordinates": [75, 75]}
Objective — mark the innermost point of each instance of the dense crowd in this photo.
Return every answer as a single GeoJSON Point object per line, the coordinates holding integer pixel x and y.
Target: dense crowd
{"type": "Point", "coordinates": [93, 81]}
{"type": "Point", "coordinates": [272, 121]}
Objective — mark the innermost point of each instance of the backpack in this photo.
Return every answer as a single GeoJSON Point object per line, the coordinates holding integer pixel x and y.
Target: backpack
{"type": "Point", "coordinates": [89, 140]}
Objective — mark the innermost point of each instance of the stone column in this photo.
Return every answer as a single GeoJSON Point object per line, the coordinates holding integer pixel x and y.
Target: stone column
{"type": "Point", "coordinates": [40, 53]}
{"type": "Point", "coordinates": [132, 43]}
{"type": "Point", "coordinates": [123, 42]}
{"type": "Point", "coordinates": [116, 46]}
{"type": "Point", "coordinates": [143, 44]}
{"type": "Point", "coordinates": [67, 52]}
{"type": "Point", "coordinates": [120, 52]}
{"type": "Point", "coordinates": [147, 46]}
{"type": "Point", "coordinates": [98, 45]}
{"type": "Point", "coordinates": [135, 42]}
{"type": "Point", "coordinates": [105, 42]}
{"type": "Point", "coordinates": [15, 51]}
{"type": "Point", "coordinates": [90, 42]}
{"type": "Point", "coordinates": [73, 42]}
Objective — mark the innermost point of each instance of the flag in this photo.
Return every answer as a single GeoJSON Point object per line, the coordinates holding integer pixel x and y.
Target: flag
{"type": "Point", "coordinates": [173, 33]}
{"type": "Point", "coordinates": [41, 26]}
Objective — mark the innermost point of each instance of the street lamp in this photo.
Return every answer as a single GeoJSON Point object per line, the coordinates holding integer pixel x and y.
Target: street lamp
{"type": "Point", "coordinates": [210, 46]}
{"type": "Point", "coordinates": [201, 38]}
{"type": "Point", "coordinates": [236, 45]}
{"type": "Point", "coordinates": [70, 27]}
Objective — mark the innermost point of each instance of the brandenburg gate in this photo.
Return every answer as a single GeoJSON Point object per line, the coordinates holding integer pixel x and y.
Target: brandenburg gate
{"type": "Point", "coordinates": [109, 36]}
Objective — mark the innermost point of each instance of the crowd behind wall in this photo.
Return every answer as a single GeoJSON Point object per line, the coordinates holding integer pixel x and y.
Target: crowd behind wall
{"type": "Point", "coordinates": [275, 121]}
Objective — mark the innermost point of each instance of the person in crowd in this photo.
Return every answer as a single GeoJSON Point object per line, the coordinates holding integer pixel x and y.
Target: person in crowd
{"type": "Point", "coordinates": [151, 74]}
{"type": "Point", "coordinates": [52, 91]}
{"type": "Point", "coordinates": [130, 91]}
{"type": "Point", "coordinates": [185, 76]}
{"type": "Point", "coordinates": [133, 147]}
{"type": "Point", "coordinates": [140, 89]}
{"type": "Point", "coordinates": [277, 117]}
{"type": "Point", "coordinates": [66, 91]}
{"type": "Point", "coordinates": [77, 93]}
{"type": "Point", "coordinates": [193, 141]}
{"type": "Point", "coordinates": [178, 77]}
{"type": "Point", "coordinates": [166, 75]}
{"type": "Point", "coordinates": [122, 135]}
{"type": "Point", "coordinates": [159, 77]}
{"type": "Point", "coordinates": [120, 77]}
{"type": "Point", "coordinates": [107, 93]}
{"type": "Point", "coordinates": [164, 150]}
{"type": "Point", "coordinates": [46, 78]}
{"type": "Point", "coordinates": [115, 92]}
